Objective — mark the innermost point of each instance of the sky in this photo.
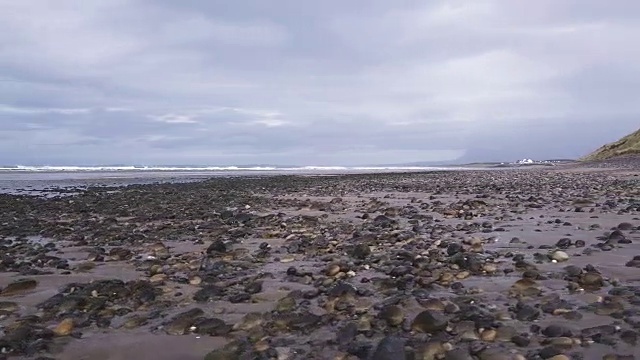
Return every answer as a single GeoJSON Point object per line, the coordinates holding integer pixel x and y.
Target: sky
{"type": "Point", "coordinates": [329, 82]}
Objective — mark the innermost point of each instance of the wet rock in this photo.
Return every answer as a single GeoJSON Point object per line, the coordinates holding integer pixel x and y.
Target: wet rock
{"type": "Point", "coordinates": [466, 330]}
{"type": "Point", "coordinates": [630, 337]}
{"type": "Point", "coordinates": [458, 354]}
{"type": "Point", "coordinates": [361, 251]}
{"type": "Point", "coordinates": [433, 304]}
{"type": "Point", "coordinates": [390, 348]}
{"type": "Point", "coordinates": [591, 279]}
{"type": "Point", "coordinates": [342, 289]}
{"type": "Point", "coordinates": [383, 221]}
{"type": "Point", "coordinates": [8, 306]}
{"type": "Point", "coordinates": [555, 357]}
{"type": "Point", "coordinates": [19, 287]}
{"type": "Point", "coordinates": [625, 226]}
{"type": "Point", "coordinates": [616, 236]}
{"type": "Point", "coordinates": [181, 323]}
{"type": "Point", "coordinates": [573, 271]}
{"type": "Point", "coordinates": [494, 353]}
{"type": "Point", "coordinates": [253, 287]}
{"type": "Point", "coordinates": [559, 256]}
{"type": "Point", "coordinates": [64, 328]}
{"type": "Point", "coordinates": [300, 321]}
{"type": "Point", "coordinates": [433, 350]}
{"type": "Point", "coordinates": [135, 321]}
{"type": "Point", "coordinates": [488, 335]}
{"type": "Point", "coordinates": [119, 254]}
{"type": "Point", "coordinates": [599, 331]}
{"type": "Point", "coordinates": [85, 266]}
{"type": "Point", "coordinates": [525, 287]}
{"type": "Point", "coordinates": [564, 243]}
{"type": "Point", "coordinates": [550, 352]}
{"type": "Point", "coordinates": [286, 304]}
{"type": "Point", "coordinates": [392, 314]}
{"type": "Point", "coordinates": [208, 293]}
{"type": "Point", "coordinates": [468, 261]}
{"type": "Point", "coordinates": [218, 246]}
{"type": "Point", "coordinates": [505, 333]}
{"type": "Point", "coordinates": [332, 270]}
{"type": "Point", "coordinates": [562, 342]}
{"type": "Point", "coordinates": [557, 330]}
{"type": "Point", "coordinates": [347, 333]}
{"type": "Point", "coordinates": [430, 322]}
{"type": "Point", "coordinates": [454, 248]}
{"type": "Point", "coordinates": [222, 354]}
{"type": "Point", "coordinates": [525, 312]}
{"type": "Point", "coordinates": [521, 341]}
{"type": "Point", "coordinates": [211, 326]}
{"type": "Point", "coordinates": [250, 321]}
{"type": "Point", "coordinates": [158, 278]}
{"type": "Point", "coordinates": [635, 262]}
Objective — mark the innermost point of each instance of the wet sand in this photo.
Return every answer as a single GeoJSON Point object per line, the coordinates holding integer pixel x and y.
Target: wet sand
{"type": "Point", "coordinates": [513, 264]}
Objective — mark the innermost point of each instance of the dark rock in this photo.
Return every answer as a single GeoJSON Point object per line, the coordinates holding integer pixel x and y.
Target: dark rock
{"type": "Point", "coordinates": [430, 322]}
{"type": "Point", "coordinates": [392, 314]}
{"type": "Point", "coordinates": [180, 324]}
{"type": "Point", "coordinates": [556, 330]}
{"type": "Point", "coordinates": [390, 348]}
{"type": "Point", "coordinates": [468, 261]}
{"type": "Point", "coordinates": [253, 287]}
{"type": "Point", "coordinates": [208, 293]}
{"type": "Point", "coordinates": [454, 248]}
{"type": "Point", "coordinates": [602, 330]}
{"type": "Point", "coordinates": [525, 312]}
{"type": "Point", "coordinates": [347, 333]}
{"type": "Point", "coordinates": [217, 246]}
{"type": "Point", "coordinates": [630, 337]}
{"type": "Point", "coordinates": [521, 341]}
{"type": "Point", "coordinates": [19, 287]}
{"type": "Point", "coordinates": [616, 236]}
{"type": "Point", "coordinates": [625, 226]}
{"type": "Point", "coordinates": [211, 326]}
{"type": "Point", "coordinates": [383, 221]}
{"type": "Point", "coordinates": [342, 289]}
{"type": "Point", "coordinates": [458, 354]}
{"type": "Point", "coordinates": [549, 352]}
{"type": "Point", "coordinates": [564, 243]}
{"type": "Point", "coordinates": [120, 253]}
{"type": "Point", "coordinates": [361, 251]}
{"type": "Point", "coordinates": [239, 298]}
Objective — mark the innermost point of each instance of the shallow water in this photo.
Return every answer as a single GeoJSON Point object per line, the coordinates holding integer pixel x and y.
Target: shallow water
{"type": "Point", "coordinates": [46, 182]}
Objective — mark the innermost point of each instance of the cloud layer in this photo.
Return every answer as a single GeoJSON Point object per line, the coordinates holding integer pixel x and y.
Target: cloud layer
{"type": "Point", "coordinates": [313, 83]}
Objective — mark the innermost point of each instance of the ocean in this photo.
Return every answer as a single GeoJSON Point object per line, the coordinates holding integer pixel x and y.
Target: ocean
{"type": "Point", "coordinates": [50, 180]}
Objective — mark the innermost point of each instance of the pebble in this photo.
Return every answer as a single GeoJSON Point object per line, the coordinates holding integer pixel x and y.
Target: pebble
{"type": "Point", "coordinates": [64, 328]}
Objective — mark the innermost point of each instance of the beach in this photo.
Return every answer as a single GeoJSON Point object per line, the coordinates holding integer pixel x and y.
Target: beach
{"type": "Point", "coordinates": [526, 263]}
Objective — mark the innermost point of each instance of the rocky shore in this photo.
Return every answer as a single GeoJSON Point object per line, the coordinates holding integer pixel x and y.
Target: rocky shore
{"type": "Point", "coordinates": [489, 265]}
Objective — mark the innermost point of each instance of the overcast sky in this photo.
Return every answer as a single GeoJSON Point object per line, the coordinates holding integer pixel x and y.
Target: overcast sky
{"type": "Point", "coordinates": [314, 82]}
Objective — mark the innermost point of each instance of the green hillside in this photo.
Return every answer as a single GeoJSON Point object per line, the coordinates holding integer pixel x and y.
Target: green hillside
{"type": "Point", "coordinates": [628, 145]}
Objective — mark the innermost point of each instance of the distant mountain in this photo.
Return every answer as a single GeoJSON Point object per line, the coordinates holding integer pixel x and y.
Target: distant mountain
{"type": "Point", "coordinates": [627, 146]}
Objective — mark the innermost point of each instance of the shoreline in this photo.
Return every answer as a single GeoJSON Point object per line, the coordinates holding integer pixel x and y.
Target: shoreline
{"type": "Point", "coordinates": [524, 264]}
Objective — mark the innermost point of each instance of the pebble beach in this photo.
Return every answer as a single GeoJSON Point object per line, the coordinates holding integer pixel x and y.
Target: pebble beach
{"type": "Point", "coordinates": [532, 263]}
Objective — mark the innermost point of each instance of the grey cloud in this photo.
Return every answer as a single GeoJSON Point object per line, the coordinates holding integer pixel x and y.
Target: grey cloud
{"type": "Point", "coordinates": [115, 81]}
